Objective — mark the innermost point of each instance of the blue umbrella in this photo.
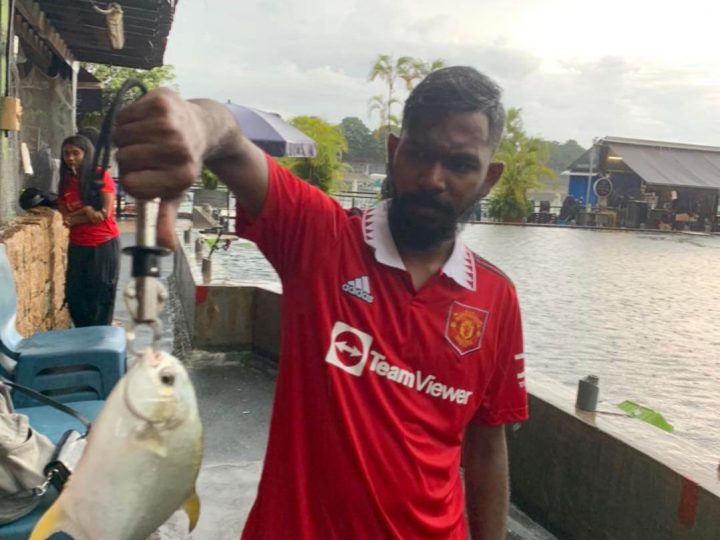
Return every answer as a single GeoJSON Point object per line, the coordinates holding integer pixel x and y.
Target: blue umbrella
{"type": "Point", "coordinates": [272, 133]}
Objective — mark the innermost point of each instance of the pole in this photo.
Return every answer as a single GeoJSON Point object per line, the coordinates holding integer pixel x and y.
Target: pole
{"type": "Point", "coordinates": [592, 163]}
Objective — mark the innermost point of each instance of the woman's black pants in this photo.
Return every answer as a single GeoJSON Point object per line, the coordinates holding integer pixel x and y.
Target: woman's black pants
{"type": "Point", "coordinates": [91, 281]}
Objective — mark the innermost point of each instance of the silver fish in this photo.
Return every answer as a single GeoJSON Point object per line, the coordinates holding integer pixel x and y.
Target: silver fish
{"type": "Point", "coordinates": [141, 462]}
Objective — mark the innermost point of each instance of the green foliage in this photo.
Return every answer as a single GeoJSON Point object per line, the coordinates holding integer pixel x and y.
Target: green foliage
{"type": "Point", "coordinates": [562, 155]}
{"type": "Point", "coordinates": [362, 145]}
{"type": "Point", "coordinates": [325, 170]}
{"type": "Point", "coordinates": [112, 78]}
{"type": "Point", "coordinates": [209, 179]}
{"type": "Point", "coordinates": [525, 160]}
{"type": "Point", "coordinates": [407, 69]}
{"type": "Point", "coordinates": [508, 208]}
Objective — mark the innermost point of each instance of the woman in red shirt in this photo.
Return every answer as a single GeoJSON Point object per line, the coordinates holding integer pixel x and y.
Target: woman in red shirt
{"type": "Point", "coordinates": [86, 204]}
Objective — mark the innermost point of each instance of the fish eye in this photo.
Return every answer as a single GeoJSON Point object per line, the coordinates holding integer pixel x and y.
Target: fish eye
{"type": "Point", "coordinates": [168, 379]}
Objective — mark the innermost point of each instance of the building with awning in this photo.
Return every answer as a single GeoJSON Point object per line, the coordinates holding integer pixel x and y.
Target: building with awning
{"type": "Point", "coordinates": [652, 179]}
{"type": "Point", "coordinates": [44, 42]}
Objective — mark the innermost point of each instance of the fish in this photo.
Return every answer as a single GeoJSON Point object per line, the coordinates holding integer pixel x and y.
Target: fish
{"type": "Point", "coordinates": [141, 461]}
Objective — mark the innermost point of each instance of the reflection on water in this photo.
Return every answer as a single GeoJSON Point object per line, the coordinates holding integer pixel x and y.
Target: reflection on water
{"type": "Point", "coordinates": [640, 310]}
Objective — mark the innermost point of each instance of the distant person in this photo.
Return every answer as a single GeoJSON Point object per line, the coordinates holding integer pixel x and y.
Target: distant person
{"type": "Point", "coordinates": [402, 352]}
{"type": "Point", "coordinates": [94, 250]}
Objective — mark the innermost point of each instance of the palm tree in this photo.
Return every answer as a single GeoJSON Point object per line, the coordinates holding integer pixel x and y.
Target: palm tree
{"type": "Point", "coordinates": [525, 160]}
{"type": "Point", "coordinates": [388, 70]}
{"type": "Point", "coordinates": [423, 69]}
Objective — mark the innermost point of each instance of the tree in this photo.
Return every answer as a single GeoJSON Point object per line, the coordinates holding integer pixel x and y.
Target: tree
{"type": "Point", "coordinates": [112, 78]}
{"type": "Point", "coordinates": [407, 69]}
{"type": "Point", "coordinates": [209, 179]}
{"type": "Point", "coordinates": [562, 155]}
{"type": "Point", "coordinates": [525, 160]}
{"type": "Point", "coordinates": [325, 170]}
{"type": "Point", "coordinates": [362, 146]}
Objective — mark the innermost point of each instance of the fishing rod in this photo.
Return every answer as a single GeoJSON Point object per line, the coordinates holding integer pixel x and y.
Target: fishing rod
{"type": "Point", "coordinates": [145, 295]}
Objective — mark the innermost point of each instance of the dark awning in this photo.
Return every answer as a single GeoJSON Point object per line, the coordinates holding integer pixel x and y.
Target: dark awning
{"type": "Point", "coordinates": [655, 162]}
{"type": "Point", "coordinates": [671, 166]}
{"type": "Point", "coordinates": [146, 27]}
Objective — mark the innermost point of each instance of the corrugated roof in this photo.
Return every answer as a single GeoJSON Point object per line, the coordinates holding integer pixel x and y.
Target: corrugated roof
{"type": "Point", "coordinates": [146, 23]}
{"type": "Point", "coordinates": [671, 165]}
{"type": "Point", "coordinates": [659, 163]}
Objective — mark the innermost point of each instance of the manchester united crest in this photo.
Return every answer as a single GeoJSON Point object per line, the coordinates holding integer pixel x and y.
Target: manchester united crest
{"type": "Point", "coordinates": [465, 327]}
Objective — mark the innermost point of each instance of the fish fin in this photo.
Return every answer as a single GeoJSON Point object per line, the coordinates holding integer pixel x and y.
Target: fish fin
{"type": "Point", "coordinates": [192, 509]}
{"type": "Point", "coordinates": [50, 523]}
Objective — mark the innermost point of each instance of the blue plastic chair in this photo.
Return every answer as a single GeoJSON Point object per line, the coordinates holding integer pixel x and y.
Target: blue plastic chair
{"type": "Point", "coordinates": [51, 423]}
{"type": "Point", "coordinates": [78, 364]}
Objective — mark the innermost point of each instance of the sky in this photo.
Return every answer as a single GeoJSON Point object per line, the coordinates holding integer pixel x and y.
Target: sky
{"type": "Point", "coordinates": [577, 69]}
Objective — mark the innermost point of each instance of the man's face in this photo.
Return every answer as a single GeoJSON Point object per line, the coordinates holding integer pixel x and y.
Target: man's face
{"type": "Point", "coordinates": [438, 171]}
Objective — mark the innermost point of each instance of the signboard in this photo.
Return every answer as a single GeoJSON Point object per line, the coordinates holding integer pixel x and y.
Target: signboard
{"type": "Point", "coordinates": [603, 187]}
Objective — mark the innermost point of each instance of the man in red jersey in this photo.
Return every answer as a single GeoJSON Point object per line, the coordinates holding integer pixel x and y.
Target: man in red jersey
{"type": "Point", "coordinates": [402, 354]}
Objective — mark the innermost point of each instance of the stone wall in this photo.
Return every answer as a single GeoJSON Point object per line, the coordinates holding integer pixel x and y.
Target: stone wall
{"type": "Point", "coordinates": [36, 245]}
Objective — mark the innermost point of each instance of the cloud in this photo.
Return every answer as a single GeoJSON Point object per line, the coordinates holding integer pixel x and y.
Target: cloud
{"type": "Point", "coordinates": [314, 58]}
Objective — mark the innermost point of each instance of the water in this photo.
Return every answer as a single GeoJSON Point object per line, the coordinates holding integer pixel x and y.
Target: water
{"type": "Point", "coordinates": [639, 310]}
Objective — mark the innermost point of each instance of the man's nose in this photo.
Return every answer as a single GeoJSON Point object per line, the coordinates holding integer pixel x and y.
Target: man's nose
{"type": "Point", "coordinates": [433, 176]}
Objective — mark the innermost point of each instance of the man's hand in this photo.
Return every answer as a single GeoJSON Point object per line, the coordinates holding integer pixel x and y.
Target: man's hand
{"type": "Point", "coordinates": [161, 143]}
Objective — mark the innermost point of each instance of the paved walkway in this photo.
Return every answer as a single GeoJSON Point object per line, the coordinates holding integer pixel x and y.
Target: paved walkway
{"type": "Point", "coordinates": [235, 392]}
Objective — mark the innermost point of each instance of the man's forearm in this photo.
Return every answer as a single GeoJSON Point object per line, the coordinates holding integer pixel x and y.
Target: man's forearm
{"type": "Point", "coordinates": [229, 154]}
{"type": "Point", "coordinates": [486, 482]}
{"type": "Point", "coordinates": [488, 503]}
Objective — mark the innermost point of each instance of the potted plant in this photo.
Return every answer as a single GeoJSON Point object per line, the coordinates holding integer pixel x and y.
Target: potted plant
{"type": "Point", "coordinates": [525, 160]}
{"type": "Point", "coordinates": [209, 193]}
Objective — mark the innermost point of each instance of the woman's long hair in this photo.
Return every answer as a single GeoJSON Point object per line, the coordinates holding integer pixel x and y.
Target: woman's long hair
{"type": "Point", "coordinates": [90, 185]}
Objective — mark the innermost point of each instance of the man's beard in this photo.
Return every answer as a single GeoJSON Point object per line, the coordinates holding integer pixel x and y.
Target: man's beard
{"type": "Point", "coordinates": [414, 231]}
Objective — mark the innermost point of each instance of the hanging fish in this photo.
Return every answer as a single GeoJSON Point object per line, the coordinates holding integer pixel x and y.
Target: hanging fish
{"type": "Point", "coordinates": [141, 461]}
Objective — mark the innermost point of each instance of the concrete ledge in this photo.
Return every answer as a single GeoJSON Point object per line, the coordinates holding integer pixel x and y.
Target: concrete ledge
{"type": "Point", "coordinates": [586, 475]}
{"type": "Point", "coordinates": [223, 314]}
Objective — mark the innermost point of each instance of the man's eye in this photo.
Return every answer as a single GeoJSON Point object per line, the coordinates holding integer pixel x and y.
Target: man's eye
{"type": "Point", "coordinates": [460, 165]}
{"type": "Point", "coordinates": [419, 156]}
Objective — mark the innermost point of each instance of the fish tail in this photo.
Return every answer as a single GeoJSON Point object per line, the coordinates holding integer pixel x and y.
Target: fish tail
{"type": "Point", "coordinates": [192, 509]}
{"type": "Point", "coordinates": [50, 523]}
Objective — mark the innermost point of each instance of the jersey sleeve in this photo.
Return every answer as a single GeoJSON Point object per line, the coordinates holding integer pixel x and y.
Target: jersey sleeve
{"type": "Point", "coordinates": [297, 224]}
{"type": "Point", "coordinates": [108, 183]}
{"type": "Point", "coordinates": [505, 399]}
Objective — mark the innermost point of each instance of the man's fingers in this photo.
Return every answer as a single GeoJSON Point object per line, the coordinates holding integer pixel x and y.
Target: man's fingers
{"type": "Point", "coordinates": [141, 157]}
{"type": "Point", "coordinates": [166, 184]}
{"type": "Point", "coordinates": [154, 103]}
{"type": "Point", "coordinates": [166, 223]}
{"type": "Point", "coordinates": [145, 130]}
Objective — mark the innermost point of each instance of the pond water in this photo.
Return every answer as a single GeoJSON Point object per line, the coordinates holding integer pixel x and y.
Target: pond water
{"type": "Point", "coordinates": [639, 310]}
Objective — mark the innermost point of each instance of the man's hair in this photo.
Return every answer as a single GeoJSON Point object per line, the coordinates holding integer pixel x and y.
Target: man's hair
{"type": "Point", "coordinates": [457, 89]}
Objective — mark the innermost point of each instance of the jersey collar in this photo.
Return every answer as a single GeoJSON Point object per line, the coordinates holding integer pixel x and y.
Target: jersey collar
{"type": "Point", "coordinates": [460, 267]}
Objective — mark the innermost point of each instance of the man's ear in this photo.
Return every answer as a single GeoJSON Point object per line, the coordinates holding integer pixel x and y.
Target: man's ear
{"type": "Point", "coordinates": [492, 177]}
{"type": "Point", "coordinates": [392, 144]}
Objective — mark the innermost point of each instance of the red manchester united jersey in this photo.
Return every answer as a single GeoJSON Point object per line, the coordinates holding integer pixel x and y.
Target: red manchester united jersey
{"type": "Point", "coordinates": [377, 380]}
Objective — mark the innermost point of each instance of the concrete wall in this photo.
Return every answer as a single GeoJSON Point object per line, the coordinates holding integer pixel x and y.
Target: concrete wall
{"type": "Point", "coordinates": [593, 476]}
{"type": "Point", "coordinates": [221, 314]}
{"type": "Point", "coordinates": [223, 317]}
{"type": "Point", "coordinates": [9, 145]}
{"type": "Point", "coordinates": [36, 245]}
{"type": "Point", "coordinates": [266, 322]}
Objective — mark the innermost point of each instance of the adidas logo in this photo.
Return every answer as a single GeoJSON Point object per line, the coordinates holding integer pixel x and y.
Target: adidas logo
{"type": "Point", "coordinates": [359, 287]}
